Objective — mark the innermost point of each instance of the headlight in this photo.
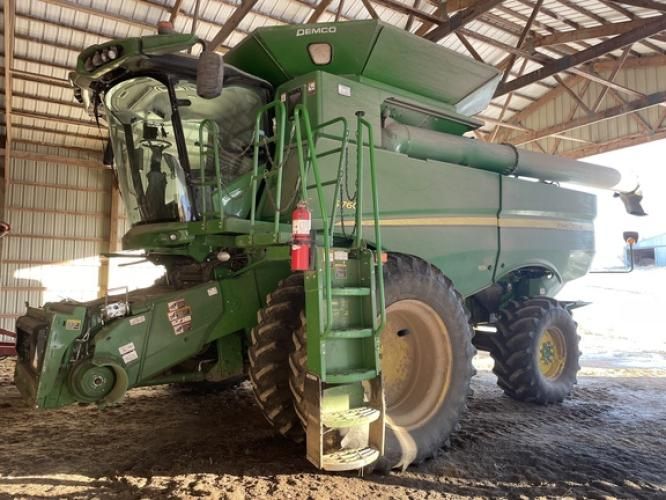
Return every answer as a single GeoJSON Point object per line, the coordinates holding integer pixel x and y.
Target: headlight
{"type": "Point", "coordinates": [101, 57]}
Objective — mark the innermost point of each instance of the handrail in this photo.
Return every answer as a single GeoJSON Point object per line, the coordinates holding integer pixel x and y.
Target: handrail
{"type": "Point", "coordinates": [280, 114]}
{"type": "Point", "coordinates": [213, 129]}
{"type": "Point", "coordinates": [360, 124]}
{"type": "Point", "coordinates": [301, 113]}
{"type": "Point", "coordinates": [343, 148]}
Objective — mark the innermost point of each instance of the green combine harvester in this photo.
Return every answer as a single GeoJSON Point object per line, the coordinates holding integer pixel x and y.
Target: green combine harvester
{"type": "Point", "coordinates": [327, 231]}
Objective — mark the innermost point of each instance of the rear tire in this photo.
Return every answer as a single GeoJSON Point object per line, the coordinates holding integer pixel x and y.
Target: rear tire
{"type": "Point", "coordinates": [536, 351]}
{"type": "Point", "coordinates": [269, 355]}
{"type": "Point", "coordinates": [426, 361]}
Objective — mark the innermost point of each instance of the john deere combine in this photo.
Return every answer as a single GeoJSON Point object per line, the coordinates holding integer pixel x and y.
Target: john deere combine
{"type": "Point", "coordinates": [327, 230]}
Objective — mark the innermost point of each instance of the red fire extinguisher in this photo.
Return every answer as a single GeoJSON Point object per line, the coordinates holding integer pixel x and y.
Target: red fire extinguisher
{"type": "Point", "coordinates": [301, 224]}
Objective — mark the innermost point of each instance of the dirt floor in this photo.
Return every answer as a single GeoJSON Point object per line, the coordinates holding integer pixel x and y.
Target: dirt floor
{"type": "Point", "coordinates": [607, 441]}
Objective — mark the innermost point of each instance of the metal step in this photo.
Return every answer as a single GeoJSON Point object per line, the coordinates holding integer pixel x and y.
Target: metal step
{"type": "Point", "coordinates": [349, 459]}
{"type": "Point", "coordinates": [352, 333]}
{"type": "Point", "coordinates": [347, 376]}
{"type": "Point", "coordinates": [350, 418]}
{"type": "Point", "coordinates": [352, 291]}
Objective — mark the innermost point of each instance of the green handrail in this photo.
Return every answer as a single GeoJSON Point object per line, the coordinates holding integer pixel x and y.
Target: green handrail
{"type": "Point", "coordinates": [213, 129]}
{"type": "Point", "coordinates": [360, 124]}
{"type": "Point", "coordinates": [301, 114]}
{"type": "Point", "coordinates": [343, 147]}
{"type": "Point", "coordinates": [280, 115]}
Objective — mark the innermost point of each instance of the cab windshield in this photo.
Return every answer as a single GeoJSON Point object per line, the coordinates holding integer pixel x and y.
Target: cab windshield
{"type": "Point", "coordinates": [161, 182]}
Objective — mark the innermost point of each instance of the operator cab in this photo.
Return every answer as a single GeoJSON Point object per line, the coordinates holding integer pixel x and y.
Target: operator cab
{"type": "Point", "coordinates": [163, 153]}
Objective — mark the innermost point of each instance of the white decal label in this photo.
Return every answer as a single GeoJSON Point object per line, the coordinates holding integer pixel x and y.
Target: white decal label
{"type": "Point", "coordinates": [316, 31]}
{"type": "Point", "coordinates": [137, 320]}
{"type": "Point", "coordinates": [344, 90]}
{"type": "Point", "coordinates": [130, 356]}
{"type": "Point", "coordinates": [301, 226]}
{"type": "Point", "coordinates": [73, 324]}
{"type": "Point", "coordinates": [340, 255]}
{"type": "Point", "coordinates": [212, 291]}
{"type": "Point", "coordinates": [126, 348]}
{"type": "Point", "coordinates": [180, 316]}
{"type": "Point", "coordinates": [128, 353]}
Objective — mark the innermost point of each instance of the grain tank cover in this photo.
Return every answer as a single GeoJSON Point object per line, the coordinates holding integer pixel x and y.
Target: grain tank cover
{"type": "Point", "coordinates": [373, 50]}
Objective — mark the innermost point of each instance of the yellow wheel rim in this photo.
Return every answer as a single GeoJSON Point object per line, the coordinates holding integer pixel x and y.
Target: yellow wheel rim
{"type": "Point", "coordinates": [417, 362]}
{"type": "Point", "coordinates": [552, 353]}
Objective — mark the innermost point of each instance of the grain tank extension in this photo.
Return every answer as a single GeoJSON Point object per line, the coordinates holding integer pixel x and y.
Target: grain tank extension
{"type": "Point", "coordinates": [326, 231]}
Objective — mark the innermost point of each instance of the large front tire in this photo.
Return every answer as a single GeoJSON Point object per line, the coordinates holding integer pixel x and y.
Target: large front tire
{"type": "Point", "coordinates": [268, 354]}
{"type": "Point", "coordinates": [536, 351]}
{"type": "Point", "coordinates": [426, 361]}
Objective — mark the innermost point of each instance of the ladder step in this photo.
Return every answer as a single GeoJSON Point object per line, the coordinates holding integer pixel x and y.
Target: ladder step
{"type": "Point", "coordinates": [356, 333]}
{"type": "Point", "coordinates": [350, 418]}
{"type": "Point", "coordinates": [349, 459]}
{"type": "Point", "coordinates": [357, 291]}
{"type": "Point", "coordinates": [347, 376]}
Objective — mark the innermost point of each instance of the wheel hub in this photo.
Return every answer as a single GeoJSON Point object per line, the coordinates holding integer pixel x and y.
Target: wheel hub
{"type": "Point", "coordinates": [551, 353]}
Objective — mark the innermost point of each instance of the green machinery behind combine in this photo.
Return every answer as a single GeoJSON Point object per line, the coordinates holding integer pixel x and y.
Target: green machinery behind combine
{"type": "Point", "coordinates": [423, 243]}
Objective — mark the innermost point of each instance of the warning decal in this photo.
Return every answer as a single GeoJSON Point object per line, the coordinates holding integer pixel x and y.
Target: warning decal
{"type": "Point", "coordinates": [128, 353]}
{"type": "Point", "coordinates": [180, 316]}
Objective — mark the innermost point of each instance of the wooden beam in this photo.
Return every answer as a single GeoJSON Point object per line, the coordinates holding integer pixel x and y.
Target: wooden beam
{"type": "Point", "coordinates": [86, 137]}
{"type": "Point", "coordinates": [64, 160]}
{"type": "Point", "coordinates": [613, 144]}
{"type": "Point", "coordinates": [410, 18]}
{"type": "Point", "coordinates": [511, 62]}
{"type": "Point", "coordinates": [371, 10]}
{"type": "Point", "coordinates": [59, 119]}
{"type": "Point", "coordinates": [620, 63]}
{"type": "Point", "coordinates": [461, 19]}
{"type": "Point", "coordinates": [175, 11]}
{"type": "Point", "coordinates": [453, 6]}
{"type": "Point", "coordinates": [651, 26]}
{"type": "Point", "coordinates": [573, 94]}
{"type": "Point", "coordinates": [614, 112]}
{"type": "Point", "coordinates": [9, 9]}
{"type": "Point", "coordinates": [587, 33]}
{"type": "Point", "coordinates": [631, 62]}
{"type": "Point", "coordinates": [231, 23]}
{"type": "Point", "coordinates": [318, 11]}
{"type": "Point", "coordinates": [645, 4]}
{"type": "Point", "coordinates": [103, 14]}
{"type": "Point", "coordinates": [338, 12]}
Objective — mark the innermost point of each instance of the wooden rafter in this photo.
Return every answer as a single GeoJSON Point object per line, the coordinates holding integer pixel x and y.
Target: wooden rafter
{"type": "Point", "coordinates": [606, 114]}
{"type": "Point", "coordinates": [646, 4]}
{"type": "Point", "coordinates": [231, 24]}
{"type": "Point", "coordinates": [175, 11]}
{"type": "Point", "coordinates": [461, 19]}
{"type": "Point", "coordinates": [651, 26]}
{"type": "Point", "coordinates": [371, 10]}
{"type": "Point", "coordinates": [318, 11]}
{"type": "Point", "coordinates": [609, 29]}
{"type": "Point", "coordinates": [512, 60]}
{"type": "Point", "coordinates": [410, 18]}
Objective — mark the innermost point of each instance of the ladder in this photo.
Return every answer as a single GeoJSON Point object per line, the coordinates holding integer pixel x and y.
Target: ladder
{"type": "Point", "coordinates": [344, 297]}
{"type": "Point", "coordinates": [344, 301]}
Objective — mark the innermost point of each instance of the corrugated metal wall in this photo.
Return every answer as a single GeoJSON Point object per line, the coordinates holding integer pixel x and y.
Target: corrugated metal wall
{"type": "Point", "coordinates": [59, 212]}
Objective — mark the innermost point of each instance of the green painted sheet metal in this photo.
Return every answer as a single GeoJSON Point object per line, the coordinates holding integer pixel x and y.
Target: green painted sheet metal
{"type": "Point", "coordinates": [373, 50]}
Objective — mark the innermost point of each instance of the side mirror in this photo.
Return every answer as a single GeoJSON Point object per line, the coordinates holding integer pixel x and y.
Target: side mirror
{"type": "Point", "coordinates": [630, 237]}
{"type": "Point", "coordinates": [210, 74]}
